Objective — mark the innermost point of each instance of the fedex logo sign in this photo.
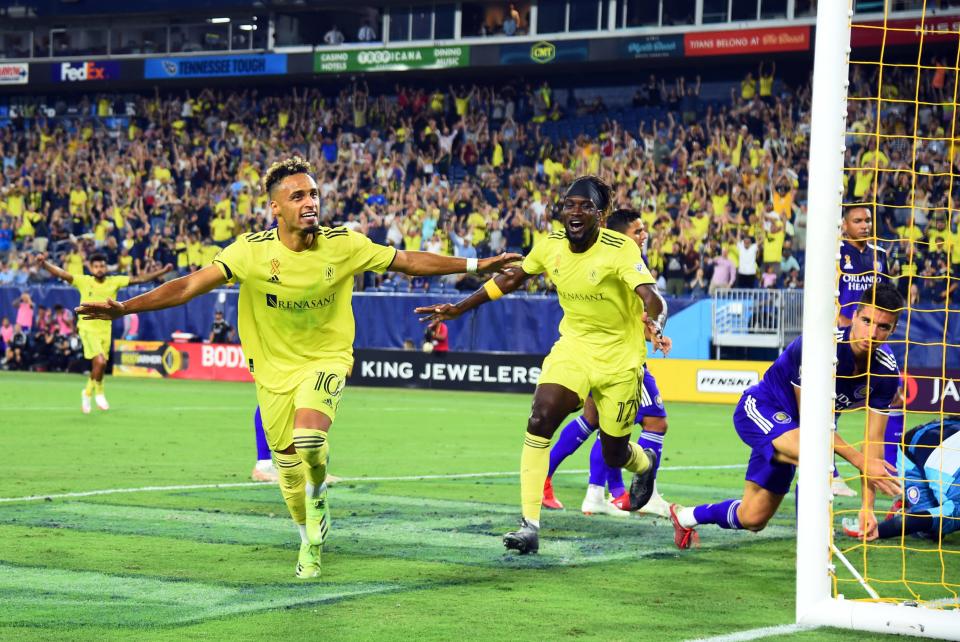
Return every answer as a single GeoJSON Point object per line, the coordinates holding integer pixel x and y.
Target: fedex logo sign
{"type": "Point", "coordinates": [83, 71]}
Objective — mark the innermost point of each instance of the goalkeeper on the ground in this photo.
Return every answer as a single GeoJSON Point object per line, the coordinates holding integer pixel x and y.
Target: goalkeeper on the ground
{"type": "Point", "coordinates": [929, 464]}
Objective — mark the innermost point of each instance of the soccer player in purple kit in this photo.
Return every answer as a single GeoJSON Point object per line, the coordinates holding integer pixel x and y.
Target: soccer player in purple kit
{"type": "Point", "coordinates": [651, 416]}
{"type": "Point", "coordinates": [861, 264]}
{"type": "Point", "coordinates": [767, 419]}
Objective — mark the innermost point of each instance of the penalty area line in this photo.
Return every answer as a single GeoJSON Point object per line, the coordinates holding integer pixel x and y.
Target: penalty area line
{"type": "Point", "coordinates": [758, 634]}
{"type": "Point", "coordinates": [401, 478]}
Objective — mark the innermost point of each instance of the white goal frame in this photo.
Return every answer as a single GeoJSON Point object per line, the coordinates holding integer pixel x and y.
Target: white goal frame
{"type": "Point", "coordinates": [815, 604]}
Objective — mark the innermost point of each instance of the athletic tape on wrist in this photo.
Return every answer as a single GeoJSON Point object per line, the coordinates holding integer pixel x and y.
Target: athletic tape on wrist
{"type": "Point", "coordinates": [493, 290]}
{"type": "Point", "coordinates": [472, 265]}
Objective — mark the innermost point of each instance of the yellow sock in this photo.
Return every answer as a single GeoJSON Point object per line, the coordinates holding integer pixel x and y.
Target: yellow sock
{"type": "Point", "coordinates": [534, 464]}
{"type": "Point", "coordinates": [292, 484]}
{"type": "Point", "coordinates": [98, 387]}
{"type": "Point", "coordinates": [89, 388]}
{"type": "Point", "coordinates": [313, 446]}
{"type": "Point", "coordinates": [638, 461]}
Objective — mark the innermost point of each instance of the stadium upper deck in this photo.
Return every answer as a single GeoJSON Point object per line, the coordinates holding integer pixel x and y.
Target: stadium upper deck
{"type": "Point", "coordinates": [38, 29]}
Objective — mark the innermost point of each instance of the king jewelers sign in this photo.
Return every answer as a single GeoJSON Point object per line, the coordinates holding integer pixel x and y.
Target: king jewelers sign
{"type": "Point", "coordinates": [390, 59]}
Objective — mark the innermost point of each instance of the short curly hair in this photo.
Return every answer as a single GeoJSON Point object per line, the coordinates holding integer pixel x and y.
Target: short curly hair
{"type": "Point", "coordinates": [283, 168]}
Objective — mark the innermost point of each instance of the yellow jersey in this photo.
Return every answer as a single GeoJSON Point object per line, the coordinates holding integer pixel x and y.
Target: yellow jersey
{"type": "Point", "coordinates": [701, 226]}
{"type": "Point", "coordinates": [15, 205]}
{"type": "Point", "coordinates": [78, 201]}
{"type": "Point", "coordinates": [773, 246]}
{"type": "Point", "coordinates": [208, 253]}
{"type": "Point", "coordinates": [224, 205]}
{"type": "Point", "coordinates": [766, 86]}
{"type": "Point", "coordinates": [221, 229]}
{"type": "Point", "coordinates": [74, 264]}
{"type": "Point", "coordinates": [93, 290]}
{"type": "Point", "coordinates": [295, 307]}
{"type": "Point", "coordinates": [478, 223]}
{"type": "Point", "coordinates": [602, 314]}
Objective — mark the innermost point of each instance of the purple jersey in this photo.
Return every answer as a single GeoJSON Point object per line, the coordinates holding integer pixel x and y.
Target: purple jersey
{"type": "Point", "coordinates": [778, 382]}
{"type": "Point", "coordinates": [858, 272]}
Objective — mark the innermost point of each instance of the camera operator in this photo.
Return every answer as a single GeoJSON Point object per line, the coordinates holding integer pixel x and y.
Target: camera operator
{"type": "Point", "coordinates": [220, 331]}
{"type": "Point", "coordinates": [18, 350]}
{"type": "Point", "coordinates": [435, 338]}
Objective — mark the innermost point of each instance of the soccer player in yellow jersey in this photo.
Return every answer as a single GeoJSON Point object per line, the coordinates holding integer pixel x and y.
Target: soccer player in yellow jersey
{"type": "Point", "coordinates": [607, 296]}
{"type": "Point", "coordinates": [95, 334]}
{"type": "Point", "coordinates": [296, 328]}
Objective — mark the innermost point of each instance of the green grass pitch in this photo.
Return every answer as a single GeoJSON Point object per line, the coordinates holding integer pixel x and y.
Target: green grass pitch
{"type": "Point", "coordinates": [412, 558]}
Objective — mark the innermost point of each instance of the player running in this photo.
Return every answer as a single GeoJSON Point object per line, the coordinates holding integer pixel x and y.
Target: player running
{"type": "Point", "coordinates": [608, 296]}
{"type": "Point", "coordinates": [96, 335]}
{"type": "Point", "coordinates": [652, 417]}
{"type": "Point", "coordinates": [929, 464]}
{"type": "Point", "coordinates": [297, 329]}
{"type": "Point", "coordinates": [767, 419]}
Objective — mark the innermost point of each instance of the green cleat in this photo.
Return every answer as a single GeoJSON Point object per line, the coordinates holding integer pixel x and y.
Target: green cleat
{"type": "Point", "coordinates": [318, 519]}
{"type": "Point", "coordinates": [308, 562]}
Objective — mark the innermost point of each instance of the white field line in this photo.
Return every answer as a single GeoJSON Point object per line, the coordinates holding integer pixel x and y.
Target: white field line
{"type": "Point", "coordinates": [148, 489]}
{"type": "Point", "coordinates": [757, 634]}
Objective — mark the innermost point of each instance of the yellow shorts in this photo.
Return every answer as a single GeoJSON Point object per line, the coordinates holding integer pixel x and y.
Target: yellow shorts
{"type": "Point", "coordinates": [320, 389]}
{"type": "Point", "coordinates": [617, 395]}
{"type": "Point", "coordinates": [95, 342]}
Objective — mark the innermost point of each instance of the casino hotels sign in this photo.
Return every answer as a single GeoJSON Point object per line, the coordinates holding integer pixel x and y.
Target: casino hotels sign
{"type": "Point", "coordinates": [382, 59]}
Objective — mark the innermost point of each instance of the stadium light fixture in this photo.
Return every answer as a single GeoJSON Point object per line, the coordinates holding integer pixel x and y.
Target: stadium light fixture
{"type": "Point", "coordinates": [247, 27]}
{"type": "Point", "coordinates": [218, 21]}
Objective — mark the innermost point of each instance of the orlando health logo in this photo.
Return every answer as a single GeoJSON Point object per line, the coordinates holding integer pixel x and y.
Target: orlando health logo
{"type": "Point", "coordinates": [84, 71]}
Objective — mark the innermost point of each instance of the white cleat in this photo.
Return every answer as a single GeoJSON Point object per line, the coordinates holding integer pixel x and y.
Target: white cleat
{"type": "Point", "coordinates": [102, 402]}
{"type": "Point", "coordinates": [265, 472]}
{"type": "Point", "coordinates": [596, 503]}
{"type": "Point", "coordinates": [839, 488]}
{"type": "Point", "coordinates": [85, 402]}
{"type": "Point", "coordinates": [656, 506]}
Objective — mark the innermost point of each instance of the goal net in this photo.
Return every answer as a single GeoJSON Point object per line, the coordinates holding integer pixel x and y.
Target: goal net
{"type": "Point", "coordinates": [885, 138]}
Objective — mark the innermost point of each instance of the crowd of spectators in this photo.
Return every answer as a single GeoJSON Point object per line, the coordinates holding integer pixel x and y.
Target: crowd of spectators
{"type": "Point", "coordinates": [459, 170]}
{"type": "Point", "coordinates": [471, 171]}
{"type": "Point", "coordinates": [901, 158]}
{"type": "Point", "coordinates": [41, 339]}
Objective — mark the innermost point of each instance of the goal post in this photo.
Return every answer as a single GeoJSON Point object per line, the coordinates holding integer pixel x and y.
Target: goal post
{"type": "Point", "coordinates": [828, 119]}
{"type": "Point", "coordinates": [815, 602]}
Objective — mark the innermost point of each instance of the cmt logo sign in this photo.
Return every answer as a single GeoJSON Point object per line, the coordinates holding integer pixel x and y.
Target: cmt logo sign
{"type": "Point", "coordinates": [84, 71]}
{"type": "Point", "coordinates": [543, 52]}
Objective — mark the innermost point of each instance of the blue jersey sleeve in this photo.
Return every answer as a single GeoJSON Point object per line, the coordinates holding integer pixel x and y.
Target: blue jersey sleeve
{"type": "Point", "coordinates": [886, 379]}
{"type": "Point", "coordinates": [794, 354]}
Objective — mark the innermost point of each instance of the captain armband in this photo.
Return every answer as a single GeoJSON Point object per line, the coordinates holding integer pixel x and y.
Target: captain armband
{"type": "Point", "coordinates": [493, 290]}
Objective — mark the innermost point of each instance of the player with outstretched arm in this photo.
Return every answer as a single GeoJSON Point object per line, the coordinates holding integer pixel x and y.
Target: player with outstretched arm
{"type": "Point", "coordinates": [651, 416]}
{"type": "Point", "coordinates": [297, 328]}
{"type": "Point", "coordinates": [608, 297]}
{"type": "Point", "coordinates": [97, 335]}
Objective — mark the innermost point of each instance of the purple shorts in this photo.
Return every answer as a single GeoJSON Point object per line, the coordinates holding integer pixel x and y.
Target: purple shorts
{"type": "Point", "coordinates": [651, 403]}
{"type": "Point", "coordinates": [759, 422]}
